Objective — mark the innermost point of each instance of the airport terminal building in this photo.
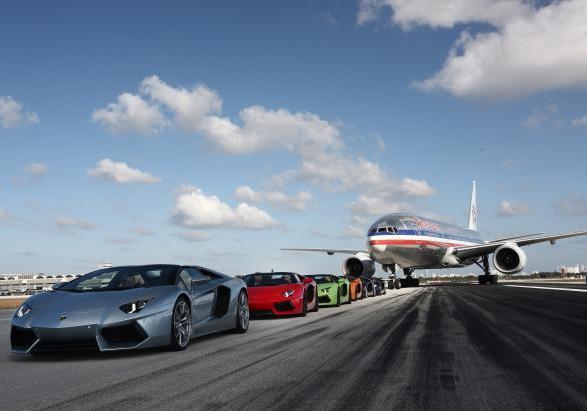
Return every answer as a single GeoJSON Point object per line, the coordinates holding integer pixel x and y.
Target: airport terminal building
{"type": "Point", "coordinates": [29, 284]}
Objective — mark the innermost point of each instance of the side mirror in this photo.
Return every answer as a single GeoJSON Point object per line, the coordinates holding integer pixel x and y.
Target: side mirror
{"type": "Point", "coordinates": [307, 280]}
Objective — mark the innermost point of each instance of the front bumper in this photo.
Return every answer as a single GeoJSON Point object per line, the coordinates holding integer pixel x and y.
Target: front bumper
{"type": "Point", "coordinates": [40, 335]}
{"type": "Point", "coordinates": [326, 299]}
{"type": "Point", "coordinates": [283, 306]}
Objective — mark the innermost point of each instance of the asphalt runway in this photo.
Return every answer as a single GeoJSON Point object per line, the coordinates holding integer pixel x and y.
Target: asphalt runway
{"type": "Point", "coordinates": [446, 347]}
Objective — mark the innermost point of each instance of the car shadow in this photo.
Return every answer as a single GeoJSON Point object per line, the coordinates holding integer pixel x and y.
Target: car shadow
{"type": "Point", "coordinates": [96, 355]}
{"type": "Point", "coordinates": [82, 355]}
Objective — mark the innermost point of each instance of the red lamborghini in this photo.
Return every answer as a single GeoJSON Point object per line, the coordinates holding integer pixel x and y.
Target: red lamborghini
{"type": "Point", "coordinates": [281, 294]}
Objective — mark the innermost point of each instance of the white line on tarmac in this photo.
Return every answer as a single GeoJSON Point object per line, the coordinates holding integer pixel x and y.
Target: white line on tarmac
{"type": "Point", "coordinates": [579, 290]}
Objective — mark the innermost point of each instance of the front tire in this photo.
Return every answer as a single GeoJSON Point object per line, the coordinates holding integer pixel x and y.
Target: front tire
{"type": "Point", "coordinates": [181, 325]}
{"type": "Point", "coordinates": [316, 305]}
{"type": "Point", "coordinates": [242, 313]}
{"type": "Point", "coordinates": [304, 308]}
{"type": "Point", "coordinates": [338, 299]}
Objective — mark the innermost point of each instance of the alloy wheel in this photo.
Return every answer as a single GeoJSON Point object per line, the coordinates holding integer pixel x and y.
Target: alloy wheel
{"type": "Point", "coordinates": [243, 311]}
{"type": "Point", "coordinates": [182, 323]}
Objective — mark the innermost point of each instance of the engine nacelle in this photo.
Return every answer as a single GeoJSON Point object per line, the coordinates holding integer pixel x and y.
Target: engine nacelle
{"type": "Point", "coordinates": [359, 265]}
{"type": "Point", "coordinates": [509, 259]}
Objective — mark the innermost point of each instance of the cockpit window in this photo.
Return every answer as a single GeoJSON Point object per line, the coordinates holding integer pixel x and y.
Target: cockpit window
{"type": "Point", "coordinates": [381, 229]}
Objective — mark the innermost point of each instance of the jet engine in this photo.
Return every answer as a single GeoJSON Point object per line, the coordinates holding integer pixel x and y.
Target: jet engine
{"type": "Point", "coordinates": [359, 265]}
{"type": "Point", "coordinates": [509, 259]}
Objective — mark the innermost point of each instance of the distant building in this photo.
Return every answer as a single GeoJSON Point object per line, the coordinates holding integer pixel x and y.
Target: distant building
{"type": "Point", "coordinates": [30, 283]}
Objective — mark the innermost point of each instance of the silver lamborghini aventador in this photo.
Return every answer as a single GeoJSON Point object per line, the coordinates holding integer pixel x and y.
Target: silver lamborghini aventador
{"type": "Point", "coordinates": [131, 307]}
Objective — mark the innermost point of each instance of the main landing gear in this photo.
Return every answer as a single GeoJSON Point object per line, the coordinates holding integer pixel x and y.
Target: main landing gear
{"type": "Point", "coordinates": [393, 281]}
{"type": "Point", "coordinates": [486, 278]}
{"type": "Point", "coordinates": [409, 281]}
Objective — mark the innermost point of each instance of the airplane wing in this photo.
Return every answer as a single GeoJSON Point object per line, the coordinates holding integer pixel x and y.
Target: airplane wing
{"type": "Point", "coordinates": [473, 251]}
{"type": "Point", "coordinates": [513, 238]}
{"type": "Point", "coordinates": [329, 251]}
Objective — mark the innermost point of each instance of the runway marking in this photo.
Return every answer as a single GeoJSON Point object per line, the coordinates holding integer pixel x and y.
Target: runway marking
{"type": "Point", "coordinates": [579, 290]}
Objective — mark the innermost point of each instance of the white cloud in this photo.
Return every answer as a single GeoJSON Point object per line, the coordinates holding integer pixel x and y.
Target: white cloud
{"type": "Point", "coordinates": [509, 209]}
{"type": "Point", "coordinates": [531, 49]}
{"type": "Point", "coordinates": [416, 188]}
{"type": "Point", "coordinates": [121, 173]}
{"type": "Point", "coordinates": [441, 13]}
{"type": "Point", "coordinates": [376, 205]}
{"type": "Point", "coordinates": [69, 223]}
{"type": "Point", "coordinates": [36, 170]}
{"type": "Point", "coordinates": [579, 121]}
{"type": "Point", "coordinates": [130, 114]}
{"type": "Point", "coordinates": [263, 129]}
{"type": "Point", "coordinates": [317, 143]}
{"type": "Point", "coordinates": [195, 209]}
{"type": "Point", "coordinates": [12, 114]}
{"type": "Point", "coordinates": [534, 120]}
{"type": "Point", "coordinates": [193, 235]}
{"type": "Point", "coordinates": [538, 117]}
{"type": "Point", "coordinates": [297, 202]}
{"type": "Point", "coordinates": [190, 107]}
{"type": "Point", "coordinates": [572, 206]}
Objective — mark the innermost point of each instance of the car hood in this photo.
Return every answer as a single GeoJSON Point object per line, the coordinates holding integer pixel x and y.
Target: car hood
{"type": "Point", "coordinates": [273, 290]}
{"type": "Point", "coordinates": [322, 286]}
{"type": "Point", "coordinates": [58, 301]}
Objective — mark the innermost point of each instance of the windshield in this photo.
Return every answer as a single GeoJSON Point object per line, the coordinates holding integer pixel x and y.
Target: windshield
{"type": "Point", "coordinates": [321, 279]}
{"type": "Point", "coordinates": [123, 278]}
{"type": "Point", "coordinates": [264, 280]}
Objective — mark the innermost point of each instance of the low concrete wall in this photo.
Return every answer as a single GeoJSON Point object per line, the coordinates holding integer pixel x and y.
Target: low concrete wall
{"type": "Point", "coordinates": [11, 302]}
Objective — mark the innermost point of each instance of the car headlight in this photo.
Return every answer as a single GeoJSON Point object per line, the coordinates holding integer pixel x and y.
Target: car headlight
{"type": "Point", "coordinates": [287, 293]}
{"type": "Point", "coordinates": [134, 307]}
{"type": "Point", "coordinates": [23, 310]}
{"type": "Point", "coordinates": [326, 289]}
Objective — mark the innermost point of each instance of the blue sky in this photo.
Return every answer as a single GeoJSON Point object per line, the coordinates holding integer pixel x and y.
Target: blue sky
{"type": "Point", "coordinates": [217, 132]}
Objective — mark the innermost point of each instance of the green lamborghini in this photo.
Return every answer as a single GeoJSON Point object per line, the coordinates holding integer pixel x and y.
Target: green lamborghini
{"type": "Point", "coordinates": [332, 290]}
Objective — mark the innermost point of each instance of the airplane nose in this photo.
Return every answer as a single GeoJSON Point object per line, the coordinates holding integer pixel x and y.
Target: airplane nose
{"type": "Point", "coordinates": [378, 248]}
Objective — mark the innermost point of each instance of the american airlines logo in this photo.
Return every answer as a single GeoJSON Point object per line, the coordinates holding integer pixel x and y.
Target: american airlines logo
{"type": "Point", "coordinates": [427, 225]}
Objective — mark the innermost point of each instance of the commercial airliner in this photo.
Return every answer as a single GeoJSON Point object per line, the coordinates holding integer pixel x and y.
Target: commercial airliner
{"type": "Point", "coordinates": [415, 243]}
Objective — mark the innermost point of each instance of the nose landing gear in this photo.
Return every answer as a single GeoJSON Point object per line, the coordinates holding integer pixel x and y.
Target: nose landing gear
{"type": "Point", "coordinates": [409, 281]}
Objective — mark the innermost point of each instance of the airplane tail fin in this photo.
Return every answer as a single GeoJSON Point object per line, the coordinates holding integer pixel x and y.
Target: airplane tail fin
{"type": "Point", "coordinates": [473, 208]}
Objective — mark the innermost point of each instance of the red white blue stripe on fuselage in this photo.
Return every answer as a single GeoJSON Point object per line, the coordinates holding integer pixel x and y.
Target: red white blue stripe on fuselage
{"type": "Point", "coordinates": [419, 240]}
{"type": "Point", "coordinates": [414, 250]}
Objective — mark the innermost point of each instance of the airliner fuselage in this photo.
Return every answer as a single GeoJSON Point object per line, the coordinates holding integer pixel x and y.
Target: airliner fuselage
{"type": "Point", "coordinates": [417, 242]}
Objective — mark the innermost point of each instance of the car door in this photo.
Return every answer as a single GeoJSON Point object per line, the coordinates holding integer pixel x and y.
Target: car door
{"type": "Point", "coordinates": [203, 294]}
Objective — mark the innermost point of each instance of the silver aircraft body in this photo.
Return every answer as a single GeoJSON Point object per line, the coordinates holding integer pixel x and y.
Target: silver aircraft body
{"type": "Point", "coordinates": [412, 242]}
